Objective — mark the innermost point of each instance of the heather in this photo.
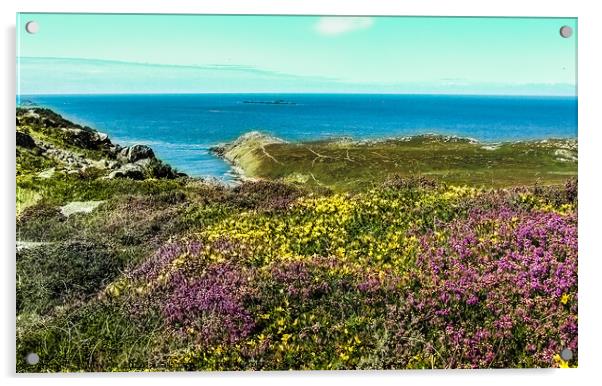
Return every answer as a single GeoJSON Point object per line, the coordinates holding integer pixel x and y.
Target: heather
{"type": "Point", "coordinates": [183, 274]}
{"type": "Point", "coordinates": [408, 276]}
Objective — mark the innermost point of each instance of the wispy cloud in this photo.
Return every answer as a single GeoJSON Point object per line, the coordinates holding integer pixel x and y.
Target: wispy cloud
{"type": "Point", "coordinates": [42, 75]}
{"type": "Point", "coordinates": [331, 26]}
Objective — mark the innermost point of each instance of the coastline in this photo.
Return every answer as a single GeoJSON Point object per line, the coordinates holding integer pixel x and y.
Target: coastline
{"type": "Point", "coordinates": [180, 125]}
{"type": "Point", "coordinates": [256, 155]}
{"type": "Point", "coordinates": [321, 229]}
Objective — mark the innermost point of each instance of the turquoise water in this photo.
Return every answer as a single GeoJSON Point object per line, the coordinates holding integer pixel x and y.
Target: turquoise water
{"type": "Point", "coordinates": [181, 128]}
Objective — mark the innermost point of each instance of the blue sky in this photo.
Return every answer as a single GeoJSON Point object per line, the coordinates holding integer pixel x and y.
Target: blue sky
{"type": "Point", "coordinates": [89, 53]}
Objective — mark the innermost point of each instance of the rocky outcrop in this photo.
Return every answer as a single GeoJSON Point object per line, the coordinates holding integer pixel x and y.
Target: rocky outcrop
{"type": "Point", "coordinates": [79, 207]}
{"type": "Point", "coordinates": [86, 139]}
{"type": "Point", "coordinates": [130, 170]}
{"type": "Point", "coordinates": [86, 148]}
{"type": "Point", "coordinates": [25, 140]}
{"type": "Point", "coordinates": [136, 153]}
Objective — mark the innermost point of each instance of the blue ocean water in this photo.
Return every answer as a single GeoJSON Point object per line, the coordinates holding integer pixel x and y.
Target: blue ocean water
{"type": "Point", "coordinates": [182, 127]}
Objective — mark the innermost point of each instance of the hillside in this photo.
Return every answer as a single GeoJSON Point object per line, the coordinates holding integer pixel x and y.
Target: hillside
{"type": "Point", "coordinates": [344, 164]}
{"type": "Point", "coordinates": [124, 264]}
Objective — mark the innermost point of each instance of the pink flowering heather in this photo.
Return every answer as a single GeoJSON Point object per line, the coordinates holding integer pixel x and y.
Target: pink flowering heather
{"type": "Point", "coordinates": [212, 306]}
{"type": "Point", "coordinates": [500, 289]}
{"type": "Point", "coordinates": [152, 267]}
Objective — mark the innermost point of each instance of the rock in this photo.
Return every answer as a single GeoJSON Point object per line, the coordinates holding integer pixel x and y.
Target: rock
{"type": "Point", "coordinates": [145, 162]}
{"type": "Point", "coordinates": [31, 114]}
{"type": "Point", "coordinates": [131, 170]}
{"type": "Point", "coordinates": [136, 152]}
{"type": "Point", "coordinates": [25, 140]}
{"type": "Point", "coordinates": [112, 164]}
{"type": "Point", "coordinates": [87, 139]}
{"type": "Point", "coordinates": [564, 155]}
{"type": "Point", "coordinates": [21, 245]}
{"type": "Point", "coordinates": [48, 173]}
{"type": "Point", "coordinates": [103, 137]}
{"type": "Point", "coordinates": [79, 207]}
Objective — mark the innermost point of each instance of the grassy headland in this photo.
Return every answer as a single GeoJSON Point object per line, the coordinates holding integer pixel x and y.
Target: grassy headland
{"type": "Point", "coordinates": [345, 165]}
{"type": "Point", "coordinates": [123, 264]}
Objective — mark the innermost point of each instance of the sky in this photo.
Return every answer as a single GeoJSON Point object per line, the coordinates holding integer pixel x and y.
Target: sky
{"type": "Point", "coordinates": [91, 53]}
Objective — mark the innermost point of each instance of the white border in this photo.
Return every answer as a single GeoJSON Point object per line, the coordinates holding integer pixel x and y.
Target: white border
{"type": "Point", "coordinates": [590, 127]}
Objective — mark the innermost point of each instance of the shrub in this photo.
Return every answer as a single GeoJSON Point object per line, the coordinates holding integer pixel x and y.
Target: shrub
{"type": "Point", "coordinates": [499, 289]}
{"type": "Point", "coordinates": [265, 194]}
{"type": "Point", "coordinates": [54, 274]}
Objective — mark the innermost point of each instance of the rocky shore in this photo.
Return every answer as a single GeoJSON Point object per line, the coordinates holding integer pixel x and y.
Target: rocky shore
{"type": "Point", "coordinates": [48, 139]}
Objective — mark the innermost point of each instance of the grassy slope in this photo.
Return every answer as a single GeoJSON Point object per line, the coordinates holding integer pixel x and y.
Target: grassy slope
{"type": "Point", "coordinates": [78, 310]}
{"type": "Point", "coordinates": [349, 165]}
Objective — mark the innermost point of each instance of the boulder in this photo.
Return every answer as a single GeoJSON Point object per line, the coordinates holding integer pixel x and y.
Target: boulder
{"type": "Point", "coordinates": [131, 170]}
{"type": "Point", "coordinates": [48, 173]}
{"type": "Point", "coordinates": [86, 139]}
{"type": "Point", "coordinates": [79, 207]}
{"type": "Point", "coordinates": [25, 140]}
{"type": "Point", "coordinates": [136, 153]}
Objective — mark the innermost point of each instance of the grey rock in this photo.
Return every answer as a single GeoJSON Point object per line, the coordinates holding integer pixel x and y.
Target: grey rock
{"type": "Point", "coordinates": [79, 207]}
{"type": "Point", "coordinates": [131, 170]}
{"type": "Point", "coordinates": [112, 164]}
{"type": "Point", "coordinates": [87, 139]}
{"type": "Point", "coordinates": [136, 152]}
{"type": "Point", "coordinates": [21, 245]}
{"type": "Point", "coordinates": [48, 173]}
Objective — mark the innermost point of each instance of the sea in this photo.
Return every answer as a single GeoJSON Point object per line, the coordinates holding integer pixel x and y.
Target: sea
{"type": "Point", "coordinates": [181, 128]}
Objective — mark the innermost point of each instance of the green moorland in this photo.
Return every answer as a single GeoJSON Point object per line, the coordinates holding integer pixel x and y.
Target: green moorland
{"type": "Point", "coordinates": [429, 252]}
{"type": "Point", "coordinates": [347, 165]}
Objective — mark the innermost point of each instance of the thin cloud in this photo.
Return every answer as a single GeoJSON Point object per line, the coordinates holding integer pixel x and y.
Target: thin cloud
{"type": "Point", "coordinates": [332, 26]}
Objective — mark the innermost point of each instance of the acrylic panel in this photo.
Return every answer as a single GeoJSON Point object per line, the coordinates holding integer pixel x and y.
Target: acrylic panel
{"type": "Point", "coordinates": [220, 192]}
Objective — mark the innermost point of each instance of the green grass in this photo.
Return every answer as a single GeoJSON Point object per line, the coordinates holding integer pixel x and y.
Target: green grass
{"type": "Point", "coordinates": [98, 336]}
{"type": "Point", "coordinates": [349, 165]}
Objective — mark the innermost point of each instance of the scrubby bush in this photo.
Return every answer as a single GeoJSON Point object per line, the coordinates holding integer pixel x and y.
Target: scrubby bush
{"type": "Point", "coordinates": [53, 274]}
{"type": "Point", "coordinates": [264, 194]}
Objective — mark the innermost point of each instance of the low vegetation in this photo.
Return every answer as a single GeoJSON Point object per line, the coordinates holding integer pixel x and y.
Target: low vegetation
{"type": "Point", "coordinates": [347, 165]}
{"type": "Point", "coordinates": [167, 272]}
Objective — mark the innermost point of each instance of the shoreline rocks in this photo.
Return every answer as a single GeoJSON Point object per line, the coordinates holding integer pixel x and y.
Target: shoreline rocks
{"type": "Point", "coordinates": [94, 149]}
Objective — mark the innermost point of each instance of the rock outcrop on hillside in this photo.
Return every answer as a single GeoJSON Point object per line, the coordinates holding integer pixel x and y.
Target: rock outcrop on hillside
{"type": "Point", "coordinates": [74, 149]}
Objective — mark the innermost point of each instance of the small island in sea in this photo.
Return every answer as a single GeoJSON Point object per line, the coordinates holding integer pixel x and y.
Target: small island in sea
{"type": "Point", "coordinates": [274, 102]}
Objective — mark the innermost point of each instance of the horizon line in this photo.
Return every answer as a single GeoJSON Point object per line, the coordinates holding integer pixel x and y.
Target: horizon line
{"type": "Point", "coordinates": [295, 93]}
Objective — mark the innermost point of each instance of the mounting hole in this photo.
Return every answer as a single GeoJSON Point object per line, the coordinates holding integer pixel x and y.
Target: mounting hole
{"type": "Point", "coordinates": [32, 27]}
{"type": "Point", "coordinates": [32, 358]}
{"type": "Point", "coordinates": [566, 31]}
{"type": "Point", "coordinates": [566, 354]}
